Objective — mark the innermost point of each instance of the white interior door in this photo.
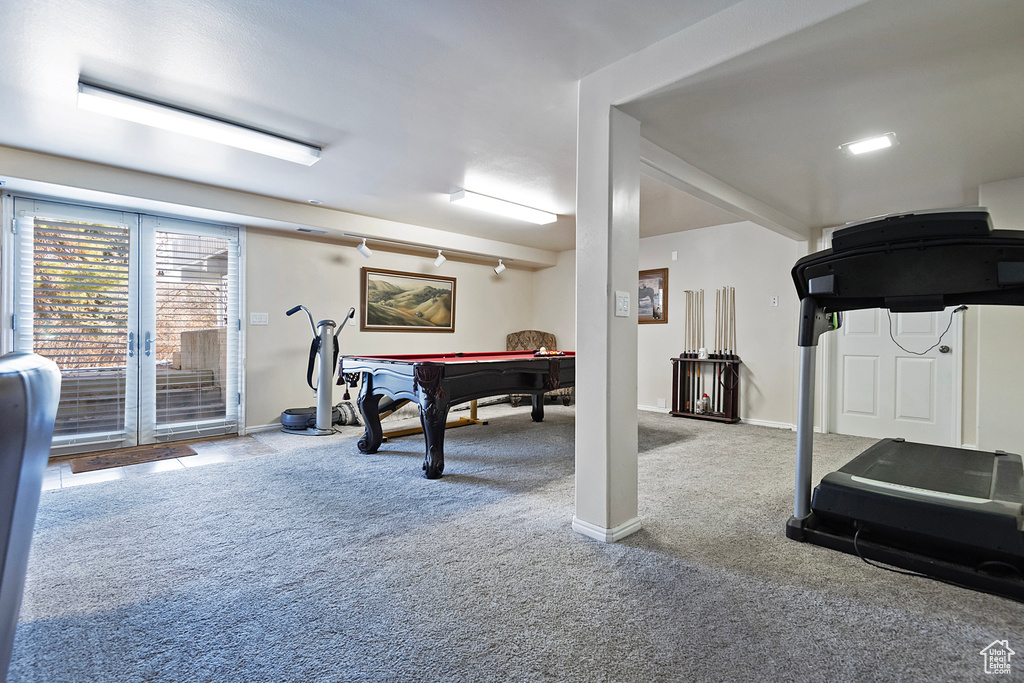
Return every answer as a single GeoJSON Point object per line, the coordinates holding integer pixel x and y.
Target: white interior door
{"type": "Point", "coordinates": [881, 390]}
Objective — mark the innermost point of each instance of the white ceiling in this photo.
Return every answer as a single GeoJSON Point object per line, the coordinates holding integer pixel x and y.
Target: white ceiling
{"type": "Point", "coordinates": [947, 76]}
{"type": "Point", "coordinates": [414, 99]}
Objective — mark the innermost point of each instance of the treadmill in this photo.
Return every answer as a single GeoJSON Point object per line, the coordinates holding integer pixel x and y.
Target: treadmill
{"type": "Point", "coordinates": [950, 513]}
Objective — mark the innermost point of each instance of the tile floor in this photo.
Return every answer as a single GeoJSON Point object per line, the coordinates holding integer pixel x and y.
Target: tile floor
{"type": "Point", "coordinates": [58, 474]}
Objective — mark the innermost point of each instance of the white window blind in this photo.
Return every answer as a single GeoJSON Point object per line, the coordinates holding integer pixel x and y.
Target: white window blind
{"type": "Point", "coordinates": [140, 313]}
{"type": "Point", "coordinates": [79, 316]}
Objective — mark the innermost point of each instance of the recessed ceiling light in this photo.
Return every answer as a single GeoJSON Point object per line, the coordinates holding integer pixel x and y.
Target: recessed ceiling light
{"type": "Point", "coordinates": [502, 207]}
{"type": "Point", "coordinates": [869, 144]}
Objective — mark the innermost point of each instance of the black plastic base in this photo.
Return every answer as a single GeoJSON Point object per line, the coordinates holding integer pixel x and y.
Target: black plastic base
{"type": "Point", "coordinates": [301, 419]}
{"type": "Point", "coordinates": [1010, 585]}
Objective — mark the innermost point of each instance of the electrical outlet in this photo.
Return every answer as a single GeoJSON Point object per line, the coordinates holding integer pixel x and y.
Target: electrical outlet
{"type": "Point", "coordinates": [774, 301]}
{"type": "Point", "coordinates": [661, 403]}
{"type": "Point", "coordinates": [259, 319]}
{"type": "Point", "coordinates": [675, 255]}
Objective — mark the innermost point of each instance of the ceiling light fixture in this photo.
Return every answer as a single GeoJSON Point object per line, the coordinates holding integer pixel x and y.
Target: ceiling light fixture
{"type": "Point", "coordinates": [502, 208]}
{"type": "Point", "coordinates": [869, 144]}
{"type": "Point", "coordinates": [364, 250]}
{"type": "Point", "coordinates": [149, 113]}
{"type": "Point", "coordinates": [500, 268]}
{"type": "Point", "coordinates": [439, 260]}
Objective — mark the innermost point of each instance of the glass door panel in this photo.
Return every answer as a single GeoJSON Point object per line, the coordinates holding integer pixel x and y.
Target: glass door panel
{"type": "Point", "coordinates": [194, 316]}
{"type": "Point", "coordinates": [77, 309]}
{"type": "Point", "coordinates": [141, 315]}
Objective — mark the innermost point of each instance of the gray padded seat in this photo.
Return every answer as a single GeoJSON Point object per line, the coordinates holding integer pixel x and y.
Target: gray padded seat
{"type": "Point", "coordinates": [29, 392]}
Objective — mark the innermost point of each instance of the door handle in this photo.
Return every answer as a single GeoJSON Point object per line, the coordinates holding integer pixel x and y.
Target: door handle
{"type": "Point", "coordinates": [131, 345]}
{"type": "Point", "coordinates": [944, 349]}
{"type": "Point", "coordinates": [149, 343]}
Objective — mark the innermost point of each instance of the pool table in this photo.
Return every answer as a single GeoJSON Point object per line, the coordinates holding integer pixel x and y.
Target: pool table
{"type": "Point", "coordinates": [436, 382]}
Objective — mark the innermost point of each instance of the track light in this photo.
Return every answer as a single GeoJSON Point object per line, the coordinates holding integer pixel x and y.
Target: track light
{"type": "Point", "coordinates": [500, 268]}
{"type": "Point", "coordinates": [149, 113]}
{"type": "Point", "coordinates": [439, 260]}
{"type": "Point", "coordinates": [502, 207]}
{"type": "Point", "coordinates": [364, 250]}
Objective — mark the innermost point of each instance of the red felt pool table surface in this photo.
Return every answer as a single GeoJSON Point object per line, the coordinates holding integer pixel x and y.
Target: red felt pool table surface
{"type": "Point", "coordinates": [462, 357]}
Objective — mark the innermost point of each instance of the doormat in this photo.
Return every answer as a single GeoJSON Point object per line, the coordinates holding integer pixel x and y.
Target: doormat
{"type": "Point", "coordinates": [129, 456]}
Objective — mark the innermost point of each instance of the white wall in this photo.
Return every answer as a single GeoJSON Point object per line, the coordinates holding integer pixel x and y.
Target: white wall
{"type": "Point", "coordinates": [283, 272]}
{"type": "Point", "coordinates": [997, 336]}
{"type": "Point", "coordinates": [554, 300]}
{"type": "Point", "coordinates": [757, 263]}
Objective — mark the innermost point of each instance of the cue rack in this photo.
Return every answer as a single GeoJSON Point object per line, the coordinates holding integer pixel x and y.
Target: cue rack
{"type": "Point", "coordinates": [706, 383]}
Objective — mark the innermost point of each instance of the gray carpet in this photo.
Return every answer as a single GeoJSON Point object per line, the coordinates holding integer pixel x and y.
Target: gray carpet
{"type": "Point", "coordinates": [319, 564]}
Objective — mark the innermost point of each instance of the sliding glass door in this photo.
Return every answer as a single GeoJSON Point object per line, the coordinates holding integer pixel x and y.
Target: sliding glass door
{"type": "Point", "coordinates": [141, 315]}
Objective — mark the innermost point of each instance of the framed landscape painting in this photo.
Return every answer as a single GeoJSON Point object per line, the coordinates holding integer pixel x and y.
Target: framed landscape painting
{"type": "Point", "coordinates": [652, 300]}
{"type": "Point", "coordinates": [393, 301]}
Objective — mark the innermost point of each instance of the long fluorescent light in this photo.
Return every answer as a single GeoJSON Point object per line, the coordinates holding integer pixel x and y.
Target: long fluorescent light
{"type": "Point", "coordinates": [869, 144]}
{"type": "Point", "coordinates": [502, 208]}
{"type": "Point", "coordinates": [130, 108]}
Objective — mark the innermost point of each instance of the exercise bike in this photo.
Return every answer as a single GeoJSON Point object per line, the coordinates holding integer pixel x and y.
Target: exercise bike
{"type": "Point", "coordinates": [319, 420]}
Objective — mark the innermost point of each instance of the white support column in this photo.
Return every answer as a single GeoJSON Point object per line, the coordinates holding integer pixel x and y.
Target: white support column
{"type": "Point", "coordinates": [607, 248]}
{"type": "Point", "coordinates": [607, 235]}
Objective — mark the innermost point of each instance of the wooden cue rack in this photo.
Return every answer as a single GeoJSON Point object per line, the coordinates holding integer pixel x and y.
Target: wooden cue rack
{"type": "Point", "coordinates": [716, 376]}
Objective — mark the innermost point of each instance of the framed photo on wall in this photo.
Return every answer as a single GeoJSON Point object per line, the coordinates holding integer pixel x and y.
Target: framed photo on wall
{"type": "Point", "coordinates": [393, 301]}
{"type": "Point", "coordinates": [652, 301]}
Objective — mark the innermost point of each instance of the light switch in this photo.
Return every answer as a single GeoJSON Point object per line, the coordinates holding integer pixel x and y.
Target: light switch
{"type": "Point", "coordinates": [622, 304]}
{"type": "Point", "coordinates": [259, 318]}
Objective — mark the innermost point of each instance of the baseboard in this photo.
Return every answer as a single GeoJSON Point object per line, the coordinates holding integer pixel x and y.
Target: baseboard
{"type": "Point", "coordinates": [606, 535]}
{"type": "Point", "coordinates": [768, 423]}
{"type": "Point", "coordinates": [652, 409]}
{"type": "Point", "coordinates": [272, 427]}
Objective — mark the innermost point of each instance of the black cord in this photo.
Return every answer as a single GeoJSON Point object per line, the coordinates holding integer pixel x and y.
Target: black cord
{"type": "Point", "coordinates": [921, 353]}
{"type": "Point", "coordinates": [982, 568]}
{"type": "Point", "coordinates": [856, 548]}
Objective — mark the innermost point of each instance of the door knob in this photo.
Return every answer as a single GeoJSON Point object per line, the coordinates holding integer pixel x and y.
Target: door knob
{"type": "Point", "coordinates": [944, 349]}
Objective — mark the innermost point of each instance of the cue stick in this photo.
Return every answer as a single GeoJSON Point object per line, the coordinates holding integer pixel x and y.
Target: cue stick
{"type": "Point", "coordinates": [732, 326]}
{"type": "Point", "coordinates": [718, 321]}
{"type": "Point", "coordinates": [686, 353]}
{"type": "Point", "coordinates": [701, 388]}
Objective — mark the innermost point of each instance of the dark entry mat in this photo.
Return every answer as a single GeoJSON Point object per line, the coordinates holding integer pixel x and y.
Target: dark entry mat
{"type": "Point", "coordinates": [129, 456]}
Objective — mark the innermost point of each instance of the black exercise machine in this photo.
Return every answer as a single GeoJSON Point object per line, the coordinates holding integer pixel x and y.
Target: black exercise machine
{"type": "Point", "coordinates": [950, 513]}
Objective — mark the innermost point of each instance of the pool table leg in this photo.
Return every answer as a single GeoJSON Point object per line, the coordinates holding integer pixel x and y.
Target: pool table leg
{"type": "Point", "coordinates": [433, 416]}
{"type": "Point", "coordinates": [369, 408]}
{"type": "Point", "coordinates": [538, 408]}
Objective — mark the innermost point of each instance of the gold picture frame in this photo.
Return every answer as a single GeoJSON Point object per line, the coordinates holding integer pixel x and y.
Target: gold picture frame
{"type": "Point", "coordinates": [393, 301]}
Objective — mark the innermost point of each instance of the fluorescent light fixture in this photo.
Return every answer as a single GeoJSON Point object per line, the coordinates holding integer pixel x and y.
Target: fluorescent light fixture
{"type": "Point", "coordinates": [869, 144]}
{"type": "Point", "coordinates": [146, 112]}
{"type": "Point", "coordinates": [439, 260]}
{"type": "Point", "coordinates": [502, 208]}
{"type": "Point", "coordinates": [500, 268]}
{"type": "Point", "coordinates": [364, 250]}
